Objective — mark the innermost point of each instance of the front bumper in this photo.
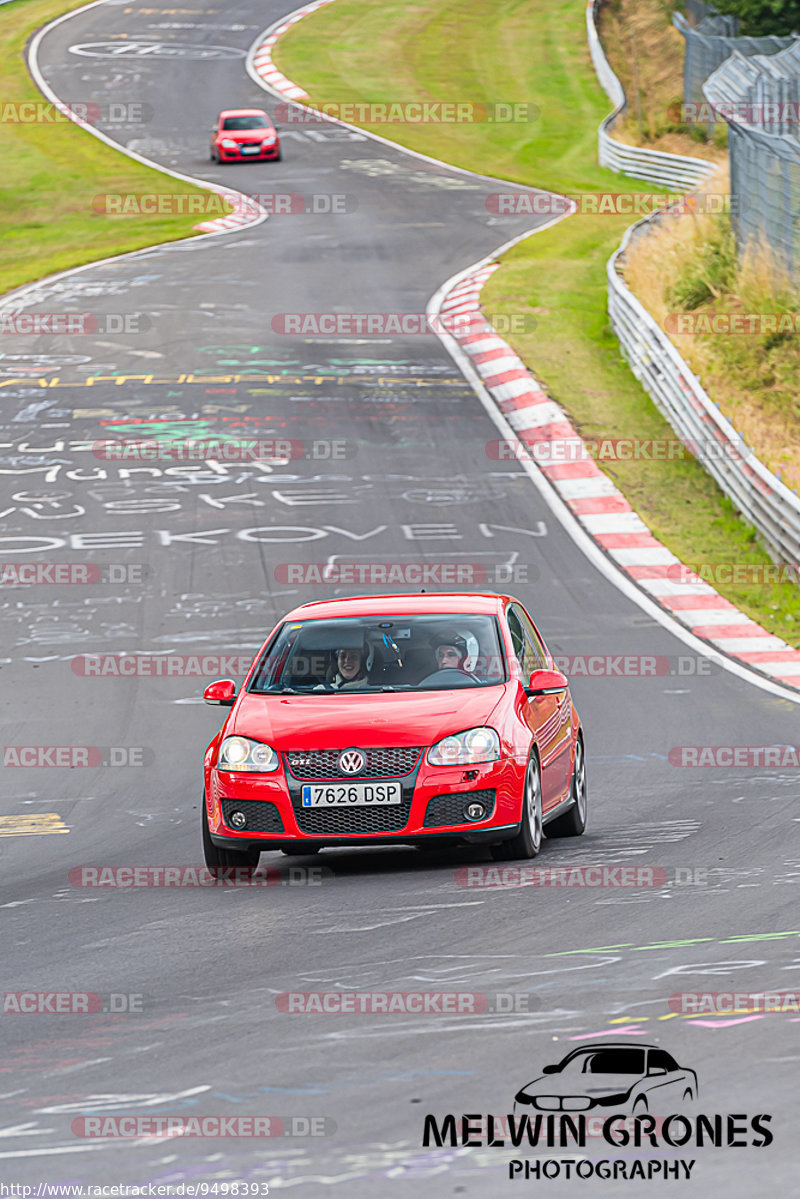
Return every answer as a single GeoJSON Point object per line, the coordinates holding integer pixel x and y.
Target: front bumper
{"type": "Point", "coordinates": [432, 807]}
{"type": "Point", "coordinates": [228, 155]}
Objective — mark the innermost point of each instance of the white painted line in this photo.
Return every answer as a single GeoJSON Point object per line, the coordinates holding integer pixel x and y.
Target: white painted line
{"type": "Point", "coordinates": [673, 587]}
{"type": "Point", "coordinates": [613, 522]}
{"type": "Point", "coordinates": [587, 488]}
{"type": "Point", "coordinates": [534, 416]}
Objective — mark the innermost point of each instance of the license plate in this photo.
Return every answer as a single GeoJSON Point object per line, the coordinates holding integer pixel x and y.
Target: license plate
{"type": "Point", "coordinates": [250, 149]}
{"type": "Point", "coordinates": [351, 795]}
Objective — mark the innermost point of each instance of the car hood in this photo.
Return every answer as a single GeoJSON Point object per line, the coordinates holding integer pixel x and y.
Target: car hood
{"type": "Point", "coordinates": [601, 1084]}
{"type": "Point", "coordinates": [365, 721]}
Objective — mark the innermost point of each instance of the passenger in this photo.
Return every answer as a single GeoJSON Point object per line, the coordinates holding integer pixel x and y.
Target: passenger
{"type": "Point", "coordinates": [350, 669]}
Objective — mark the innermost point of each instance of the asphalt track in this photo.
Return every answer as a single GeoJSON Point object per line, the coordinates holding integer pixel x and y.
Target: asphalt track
{"type": "Point", "coordinates": [416, 485]}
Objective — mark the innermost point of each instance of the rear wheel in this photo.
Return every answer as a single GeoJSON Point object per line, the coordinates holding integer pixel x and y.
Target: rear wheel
{"type": "Point", "coordinates": [528, 840]}
{"type": "Point", "coordinates": [573, 822]}
{"type": "Point", "coordinates": [219, 860]}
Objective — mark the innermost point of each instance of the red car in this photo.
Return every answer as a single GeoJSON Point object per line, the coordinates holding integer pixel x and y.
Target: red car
{"type": "Point", "coordinates": [414, 719]}
{"type": "Point", "coordinates": [244, 133]}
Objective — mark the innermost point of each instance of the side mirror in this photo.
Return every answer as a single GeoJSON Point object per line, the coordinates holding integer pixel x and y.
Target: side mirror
{"type": "Point", "coordinates": [221, 693]}
{"type": "Point", "coordinates": [546, 682]}
{"type": "Point", "coordinates": [657, 1070]}
{"type": "Point", "coordinates": [550, 1070]}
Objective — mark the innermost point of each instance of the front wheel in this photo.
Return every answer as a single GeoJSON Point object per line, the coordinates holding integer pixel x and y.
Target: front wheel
{"type": "Point", "coordinates": [528, 840]}
{"type": "Point", "coordinates": [221, 860]}
{"type": "Point", "coordinates": [573, 822]}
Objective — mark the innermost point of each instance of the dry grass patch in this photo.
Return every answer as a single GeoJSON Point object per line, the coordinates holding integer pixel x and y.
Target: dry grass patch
{"type": "Point", "coordinates": [688, 264]}
{"type": "Point", "coordinates": [646, 52]}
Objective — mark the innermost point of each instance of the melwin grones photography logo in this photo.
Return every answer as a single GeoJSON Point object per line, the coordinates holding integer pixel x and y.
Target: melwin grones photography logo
{"type": "Point", "coordinates": [615, 1094]}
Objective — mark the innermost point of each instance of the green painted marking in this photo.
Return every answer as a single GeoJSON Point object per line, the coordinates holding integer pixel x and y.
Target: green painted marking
{"type": "Point", "coordinates": [597, 949]}
{"type": "Point", "coordinates": [739, 938]}
{"type": "Point", "coordinates": [758, 937]}
{"type": "Point", "coordinates": [672, 944]}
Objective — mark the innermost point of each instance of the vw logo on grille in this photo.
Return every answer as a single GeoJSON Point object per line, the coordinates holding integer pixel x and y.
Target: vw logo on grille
{"type": "Point", "coordinates": [351, 761]}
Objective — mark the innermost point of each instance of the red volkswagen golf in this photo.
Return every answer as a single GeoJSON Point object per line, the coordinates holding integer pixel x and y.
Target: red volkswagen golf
{"type": "Point", "coordinates": [404, 718]}
{"type": "Point", "coordinates": [243, 133]}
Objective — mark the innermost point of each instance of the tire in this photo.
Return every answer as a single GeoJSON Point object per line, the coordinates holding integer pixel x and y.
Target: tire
{"type": "Point", "coordinates": [528, 841]}
{"type": "Point", "coordinates": [299, 853]}
{"type": "Point", "coordinates": [218, 860]}
{"type": "Point", "coordinates": [573, 822]}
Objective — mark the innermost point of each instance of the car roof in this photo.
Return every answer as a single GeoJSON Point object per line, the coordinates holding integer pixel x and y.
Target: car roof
{"type": "Point", "coordinates": [457, 603]}
{"type": "Point", "coordinates": [242, 112]}
{"type": "Point", "coordinates": [614, 1045]}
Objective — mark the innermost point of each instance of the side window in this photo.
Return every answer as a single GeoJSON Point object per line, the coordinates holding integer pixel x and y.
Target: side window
{"type": "Point", "coordinates": [660, 1060]}
{"type": "Point", "coordinates": [533, 655]}
{"type": "Point", "coordinates": [517, 635]}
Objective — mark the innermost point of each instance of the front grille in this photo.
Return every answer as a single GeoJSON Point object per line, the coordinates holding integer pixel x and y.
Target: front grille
{"type": "Point", "coordinates": [449, 809]}
{"type": "Point", "coordinates": [389, 819]}
{"type": "Point", "coordinates": [322, 763]}
{"type": "Point", "coordinates": [262, 816]}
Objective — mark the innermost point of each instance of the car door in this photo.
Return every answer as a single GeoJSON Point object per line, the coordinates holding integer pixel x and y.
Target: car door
{"type": "Point", "coordinates": [541, 713]}
{"type": "Point", "coordinates": [664, 1091]}
{"type": "Point", "coordinates": [561, 764]}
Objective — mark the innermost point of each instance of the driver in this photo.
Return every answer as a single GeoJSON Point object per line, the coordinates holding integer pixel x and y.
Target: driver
{"type": "Point", "coordinates": [453, 653]}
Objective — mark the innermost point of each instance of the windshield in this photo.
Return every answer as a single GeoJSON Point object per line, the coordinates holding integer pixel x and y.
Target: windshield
{"type": "Point", "coordinates": [245, 123]}
{"type": "Point", "coordinates": [606, 1061]}
{"type": "Point", "coordinates": [391, 653]}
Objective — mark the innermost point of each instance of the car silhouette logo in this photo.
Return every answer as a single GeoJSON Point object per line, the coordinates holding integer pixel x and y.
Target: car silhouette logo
{"type": "Point", "coordinates": [352, 761]}
{"type": "Point", "coordinates": [616, 1076]}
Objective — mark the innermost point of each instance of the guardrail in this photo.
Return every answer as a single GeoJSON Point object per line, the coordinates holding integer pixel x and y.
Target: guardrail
{"type": "Point", "coordinates": [760, 496]}
{"type": "Point", "coordinates": [675, 171]}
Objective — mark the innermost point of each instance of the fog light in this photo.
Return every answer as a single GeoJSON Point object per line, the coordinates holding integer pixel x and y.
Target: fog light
{"type": "Point", "coordinates": [237, 820]}
{"type": "Point", "coordinates": [474, 811]}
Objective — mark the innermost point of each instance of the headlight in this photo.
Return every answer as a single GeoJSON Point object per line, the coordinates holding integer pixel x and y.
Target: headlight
{"type": "Point", "coordinates": [240, 753]}
{"type": "Point", "coordinates": [270, 139]}
{"type": "Point", "coordinates": [229, 143]}
{"type": "Point", "coordinates": [465, 749]}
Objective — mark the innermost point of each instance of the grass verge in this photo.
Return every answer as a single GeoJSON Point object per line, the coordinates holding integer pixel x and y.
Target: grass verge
{"type": "Point", "coordinates": [52, 171]}
{"type": "Point", "coordinates": [472, 50]}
